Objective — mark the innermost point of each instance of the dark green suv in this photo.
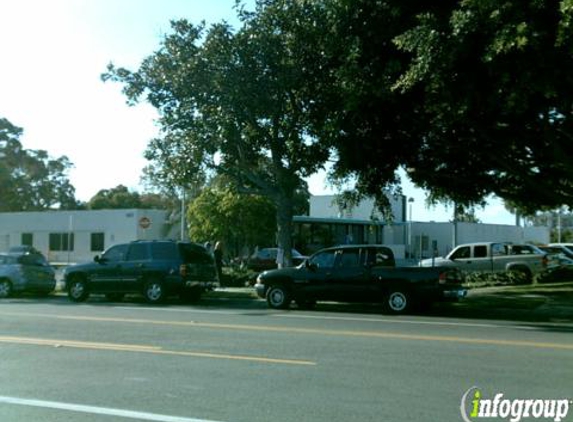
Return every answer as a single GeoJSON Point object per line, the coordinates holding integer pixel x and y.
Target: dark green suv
{"type": "Point", "coordinates": [156, 269]}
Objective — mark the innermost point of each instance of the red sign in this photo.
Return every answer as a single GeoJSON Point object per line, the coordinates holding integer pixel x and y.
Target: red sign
{"type": "Point", "coordinates": [144, 222]}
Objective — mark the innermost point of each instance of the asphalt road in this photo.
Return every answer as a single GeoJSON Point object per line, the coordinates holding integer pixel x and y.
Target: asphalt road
{"type": "Point", "coordinates": [235, 360]}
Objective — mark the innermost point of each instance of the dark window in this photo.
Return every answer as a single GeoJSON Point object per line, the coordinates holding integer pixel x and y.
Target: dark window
{"type": "Point", "coordinates": [115, 253]}
{"type": "Point", "coordinates": [163, 251]}
{"type": "Point", "coordinates": [323, 259]}
{"type": "Point", "coordinates": [380, 257]}
{"type": "Point", "coordinates": [138, 252]}
{"type": "Point", "coordinates": [462, 253]}
{"type": "Point", "coordinates": [33, 259]}
{"type": "Point", "coordinates": [349, 258]}
{"type": "Point", "coordinates": [97, 242]}
{"type": "Point", "coordinates": [480, 252]}
{"type": "Point", "coordinates": [28, 239]}
{"type": "Point", "coordinates": [194, 254]}
{"type": "Point", "coordinates": [61, 241]}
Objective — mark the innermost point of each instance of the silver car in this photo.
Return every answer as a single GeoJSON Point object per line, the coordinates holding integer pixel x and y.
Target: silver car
{"type": "Point", "coordinates": [25, 272]}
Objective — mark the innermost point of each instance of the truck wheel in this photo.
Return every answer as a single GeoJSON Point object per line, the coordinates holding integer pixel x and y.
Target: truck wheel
{"type": "Point", "coordinates": [521, 275]}
{"type": "Point", "coordinates": [5, 288]}
{"type": "Point", "coordinates": [278, 297]}
{"type": "Point", "coordinates": [78, 290]}
{"type": "Point", "coordinates": [397, 302]}
{"type": "Point", "coordinates": [154, 291]}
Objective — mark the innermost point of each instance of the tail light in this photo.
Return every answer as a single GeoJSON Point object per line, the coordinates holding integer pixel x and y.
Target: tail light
{"type": "Point", "coordinates": [449, 277]}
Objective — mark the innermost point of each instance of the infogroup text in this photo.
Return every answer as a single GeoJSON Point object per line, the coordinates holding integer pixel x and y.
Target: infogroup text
{"type": "Point", "coordinates": [475, 407]}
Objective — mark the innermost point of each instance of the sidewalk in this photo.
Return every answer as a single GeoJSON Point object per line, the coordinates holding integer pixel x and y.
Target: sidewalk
{"type": "Point", "coordinates": [532, 303]}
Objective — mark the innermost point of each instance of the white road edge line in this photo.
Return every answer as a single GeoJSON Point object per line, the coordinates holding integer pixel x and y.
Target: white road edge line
{"type": "Point", "coordinates": [130, 414]}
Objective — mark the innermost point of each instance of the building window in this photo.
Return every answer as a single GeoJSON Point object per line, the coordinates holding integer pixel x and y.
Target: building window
{"type": "Point", "coordinates": [61, 242]}
{"type": "Point", "coordinates": [28, 239]}
{"type": "Point", "coordinates": [97, 242]}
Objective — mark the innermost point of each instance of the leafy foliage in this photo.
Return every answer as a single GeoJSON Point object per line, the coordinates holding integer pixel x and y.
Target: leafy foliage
{"type": "Point", "coordinates": [472, 97]}
{"type": "Point", "coordinates": [31, 180]}
{"type": "Point", "coordinates": [121, 198]}
{"type": "Point", "coordinates": [237, 103]}
{"type": "Point", "coordinates": [241, 221]}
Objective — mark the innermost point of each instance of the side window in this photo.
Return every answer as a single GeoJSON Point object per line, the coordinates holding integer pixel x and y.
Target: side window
{"type": "Point", "coordinates": [138, 252]}
{"type": "Point", "coordinates": [462, 253]}
{"type": "Point", "coordinates": [480, 251]}
{"type": "Point", "coordinates": [498, 249]}
{"type": "Point", "coordinates": [194, 254]}
{"type": "Point", "coordinates": [323, 259]}
{"type": "Point", "coordinates": [380, 257]}
{"type": "Point", "coordinates": [163, 251]}
{"type": "Point", "coordinates": [349, 258]}
{"type": "Point", "coordinates": [115, 253]}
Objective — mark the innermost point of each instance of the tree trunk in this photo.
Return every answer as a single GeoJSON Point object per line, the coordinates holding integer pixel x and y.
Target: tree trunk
{"type": "Point", "coordinates": [285, 206]}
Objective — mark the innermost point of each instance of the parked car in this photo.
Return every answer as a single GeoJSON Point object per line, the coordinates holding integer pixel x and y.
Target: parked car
{"type": "Point", "coordinates": [155, 269]}
{"type": "Point", "coordinates": [25, 272]}
{"type": "Point", "coordinates": [266, 259]}
{"type": "Point", "coordinates": [358, 273]}
{"type": "Point", "coordinates": [560, 267]}
{"type": "Point", "coordinates": [493, 257]}
{"type": "Point", "coordinates": [559, 248]}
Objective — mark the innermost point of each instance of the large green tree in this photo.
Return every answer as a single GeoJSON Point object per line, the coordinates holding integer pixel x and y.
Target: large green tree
{"type": "Point", "coordinates": [472, 97]}
{"type": "Point", "coordinates": [31, 180]}
{"type": "Point", "coordinates": [241, 221]}
{"type": "Point", "coordinates": [238, 103]}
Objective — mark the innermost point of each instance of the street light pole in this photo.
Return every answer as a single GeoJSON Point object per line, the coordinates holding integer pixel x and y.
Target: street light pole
{"type": "Point", "coordinates": [410, 202]}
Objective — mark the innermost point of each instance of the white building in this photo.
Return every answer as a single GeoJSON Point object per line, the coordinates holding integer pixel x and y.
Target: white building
{"type": "Point", "coordinates": [76, 236]}
{"type": "Point", "coordinates": [327, 223]}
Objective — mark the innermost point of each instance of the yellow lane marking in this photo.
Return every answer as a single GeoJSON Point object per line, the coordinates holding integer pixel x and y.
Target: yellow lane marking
{"type": "Point", "coordinates": [313, 331]}
{"type": "Point", "coordinates": [144, 349]}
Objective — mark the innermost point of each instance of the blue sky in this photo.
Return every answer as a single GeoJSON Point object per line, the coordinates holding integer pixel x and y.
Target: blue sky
{"type": "Point", "coordinates": [53, 55]}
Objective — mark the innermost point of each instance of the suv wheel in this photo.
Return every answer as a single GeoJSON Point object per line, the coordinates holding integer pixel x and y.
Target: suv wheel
{"type": "Point", "coordinates": [78, 290]}
{"type": "Point", "coordinates": [5, 288]}
{"type": "Point", "coordinates": [278, 297]}
{"type": "Point", "coordinates": [154, 291]}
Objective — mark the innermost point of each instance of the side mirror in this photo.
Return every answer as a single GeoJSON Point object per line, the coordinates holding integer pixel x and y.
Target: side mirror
{"type": "Point", "coordinates": [97, 259]}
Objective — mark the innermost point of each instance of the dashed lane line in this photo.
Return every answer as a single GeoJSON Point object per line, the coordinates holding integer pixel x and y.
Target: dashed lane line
{"type": "Point", "coordinates": [147, 349]}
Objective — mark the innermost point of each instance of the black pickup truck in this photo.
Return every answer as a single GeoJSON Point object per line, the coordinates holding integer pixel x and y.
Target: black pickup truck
{"type": "Point", "coordinates": [358, 273]}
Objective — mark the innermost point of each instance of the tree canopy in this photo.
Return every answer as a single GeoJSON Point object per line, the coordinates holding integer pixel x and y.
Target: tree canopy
{"type": "Point", "coordinates": [121, 197]}
{"type": "Point", "coordinates": [241, 221]}
{"type": "Point", "coordinates": [237, 103]}
{"type": "Point", "coordinates": [471, 97]}
{"type": "Point", "coordinates": [31, 180]}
